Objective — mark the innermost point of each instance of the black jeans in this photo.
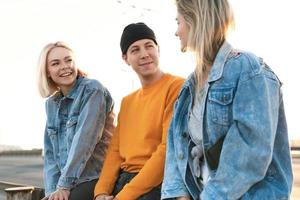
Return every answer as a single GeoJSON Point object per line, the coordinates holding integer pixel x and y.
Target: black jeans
{"type": "Point", "coordinates": [83, 191]}
{"type": "Point", "coordinates": [125, 177]}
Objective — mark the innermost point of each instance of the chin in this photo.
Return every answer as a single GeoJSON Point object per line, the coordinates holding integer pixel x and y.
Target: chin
{"type": "Point", "coordinates": [183, 49]}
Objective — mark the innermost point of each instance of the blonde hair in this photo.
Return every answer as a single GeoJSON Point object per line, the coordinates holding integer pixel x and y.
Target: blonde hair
{"type": "Point", "coordinates": [46, 86]}
{"type": "Point", "coordinates": [208, 22]}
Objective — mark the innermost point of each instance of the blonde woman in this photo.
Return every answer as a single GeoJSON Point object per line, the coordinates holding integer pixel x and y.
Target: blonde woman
{"type": "Point", "coordinates": [228, 137]}
{"type": "Point", "coordinates": [78, 127]}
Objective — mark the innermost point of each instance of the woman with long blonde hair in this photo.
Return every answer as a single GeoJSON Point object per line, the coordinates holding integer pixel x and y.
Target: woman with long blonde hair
{"type": "Point", "coordinates": [228, 137]}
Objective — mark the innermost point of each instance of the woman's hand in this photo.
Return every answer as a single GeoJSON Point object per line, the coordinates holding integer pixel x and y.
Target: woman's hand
{"type": "Point", "coordinates": [105, 197]}
{"type": "Point", "coordinates": [59, 194]}
{"type": "Point", "coordinates": [45, 198]}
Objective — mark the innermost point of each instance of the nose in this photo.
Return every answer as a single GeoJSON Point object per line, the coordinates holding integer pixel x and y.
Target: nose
{"type": "Point", "coordinates": [64, 65]}
{"type": "Point", "coordinates": [144, 53]}
{"type": "Point", "coordinates": [176, 33]}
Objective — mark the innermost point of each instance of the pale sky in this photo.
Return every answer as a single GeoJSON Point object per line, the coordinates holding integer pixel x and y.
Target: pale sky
{"type": "Point", "coordinates": [268, 28]}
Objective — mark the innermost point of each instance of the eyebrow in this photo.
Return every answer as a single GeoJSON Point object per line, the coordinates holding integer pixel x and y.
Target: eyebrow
{"type": "Point", "coordinates": [56, 60]}
{"type": "Point", "coordinates": [132, 47]}
{"type": "Point", "coordinates": [137, 46]}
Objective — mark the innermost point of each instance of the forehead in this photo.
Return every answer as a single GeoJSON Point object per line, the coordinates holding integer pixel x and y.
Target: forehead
{"type": "Point", "coordinates": [141, 42]}
{"type": "Point", "coordinates": [58, 52]}
{"type": "Point", "coordinates": [179, 17]}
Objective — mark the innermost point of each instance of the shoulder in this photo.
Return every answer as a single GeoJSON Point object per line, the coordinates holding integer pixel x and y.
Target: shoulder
{"type": "Point", "coordinates": [172, 79]}
{"type": "Point", "coordinates": [173, 82]}
{"type": "Point", "coordinates": [131, 95]}
{"type": "Point", "coordinates": [91, 84]}
{"type": "Point", "coordinates": [247, 61]}
{"type": "Point", "coordinates": [248, 65]}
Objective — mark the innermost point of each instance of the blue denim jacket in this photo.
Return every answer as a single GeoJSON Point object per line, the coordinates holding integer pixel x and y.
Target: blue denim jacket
{"type": "Point", "coordinates": [75, 142]}
{"type": "Point", "coordinates": [243, 104]}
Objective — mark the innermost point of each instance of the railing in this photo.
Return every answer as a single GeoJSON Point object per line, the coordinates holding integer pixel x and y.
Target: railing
{"type": "Point", "coordinates": [20, 192]}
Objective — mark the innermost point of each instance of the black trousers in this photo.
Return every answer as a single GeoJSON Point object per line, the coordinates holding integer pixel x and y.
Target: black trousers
{"type": "Point", "coordinates": [125, 177]}
{"type": "Point", "coordinates": [83, 191]}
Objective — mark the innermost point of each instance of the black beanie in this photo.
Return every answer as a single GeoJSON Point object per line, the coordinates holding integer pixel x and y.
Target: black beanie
{"type": "Point", "coordinates": [134, 32]}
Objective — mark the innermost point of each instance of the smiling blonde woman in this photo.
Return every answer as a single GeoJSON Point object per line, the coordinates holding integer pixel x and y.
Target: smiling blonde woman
{"type": "Point", "coordinates": [78, 128]}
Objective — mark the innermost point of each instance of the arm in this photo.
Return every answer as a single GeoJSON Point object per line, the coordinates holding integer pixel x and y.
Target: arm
{"type": "Point", "coordinates": [51, 170]}
{"type": "Point", "coordinates": [151, 173]}
{"type": "Point", "coordinates": [248, 145]}
{"type": "Point", "coordinates": [173, 185]}
{"type": "Point", "coordinates": [111, 167]}
{"type": "Point", "coordinates": [89, 128]}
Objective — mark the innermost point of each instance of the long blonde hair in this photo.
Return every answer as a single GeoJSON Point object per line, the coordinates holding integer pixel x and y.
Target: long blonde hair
{"type": "Point", "coordinates": [208, 22]}
{"type": "Point", "coordinates": [46, 86]}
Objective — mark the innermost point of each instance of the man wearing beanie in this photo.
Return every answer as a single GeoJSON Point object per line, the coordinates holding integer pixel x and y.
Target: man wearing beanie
{"type": "Point", "coordinates": [134, 164]}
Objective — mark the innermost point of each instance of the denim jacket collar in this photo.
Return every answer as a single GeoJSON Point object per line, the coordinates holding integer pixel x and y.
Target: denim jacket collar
{"type": "Point", "coordinates": [216, 70]}
{"type": "Point", "coordinates": [219, 62]}
{"type": "Point", "coordinates": [72, 94]}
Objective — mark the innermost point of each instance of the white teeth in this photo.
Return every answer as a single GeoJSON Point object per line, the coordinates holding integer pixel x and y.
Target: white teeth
{"type": "Point", "coordinates": [66, 74]}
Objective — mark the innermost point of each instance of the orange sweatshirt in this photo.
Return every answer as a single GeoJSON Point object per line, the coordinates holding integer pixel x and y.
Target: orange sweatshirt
{"type": "Point", "coordinates": [139, 142]}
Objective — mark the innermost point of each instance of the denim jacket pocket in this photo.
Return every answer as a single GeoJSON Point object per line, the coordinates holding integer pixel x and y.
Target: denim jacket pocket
{"type": "Point", "coordinates": [219, 101]}
{"type": "Point", "coordinates": [71, 129]}
{"type": "Point", "coordinates": [52, 134]}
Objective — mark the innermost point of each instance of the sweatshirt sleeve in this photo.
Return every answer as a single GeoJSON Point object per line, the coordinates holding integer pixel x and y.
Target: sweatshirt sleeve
{"type": "Point", "coordinates": [151, 174]}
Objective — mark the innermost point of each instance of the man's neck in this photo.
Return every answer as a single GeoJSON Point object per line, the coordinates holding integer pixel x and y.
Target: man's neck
{"type": "Point", "coordinates": [147, 81]}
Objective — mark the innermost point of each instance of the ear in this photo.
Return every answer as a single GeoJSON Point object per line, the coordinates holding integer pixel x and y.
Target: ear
{"type": "Point", "coordinates": [125, 58]}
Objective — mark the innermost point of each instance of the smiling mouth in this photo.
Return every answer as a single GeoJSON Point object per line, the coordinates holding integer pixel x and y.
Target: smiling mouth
{"type": "Point", "coordinates": [147, 63]}
{"type": "Point", "coordinates": [66, 74]}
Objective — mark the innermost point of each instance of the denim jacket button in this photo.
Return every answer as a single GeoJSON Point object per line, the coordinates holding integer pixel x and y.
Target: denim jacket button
{"type": "Point", "coordinates": [184, 134]}
{"type": "Point", "coordinates": [180, 156]}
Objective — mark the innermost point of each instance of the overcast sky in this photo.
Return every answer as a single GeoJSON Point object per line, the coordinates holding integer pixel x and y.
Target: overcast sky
{"type": "Point", "coordinates": [269, 28]}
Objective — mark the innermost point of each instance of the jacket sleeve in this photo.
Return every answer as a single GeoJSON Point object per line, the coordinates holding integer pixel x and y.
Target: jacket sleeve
{"type": "Point", "coordinates": [89, 128]}
{"type": "Point", "coordinates": [248, 145]}
{"type": "Point", "coordinates": [151, 174]}
{"type": "Point", "coordinates": [173, 184]}
{"type": "Point", "coordinates": [51, 170]}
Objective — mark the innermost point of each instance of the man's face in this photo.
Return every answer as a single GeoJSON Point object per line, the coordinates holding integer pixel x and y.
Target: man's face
{"type": "Point", "coordinates": [143, 57]}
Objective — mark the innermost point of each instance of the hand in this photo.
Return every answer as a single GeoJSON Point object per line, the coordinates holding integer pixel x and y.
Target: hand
{"type": "Point", "coordinates": [183, 198]}
{"type": "Point", "coordinates": [59, 194]}
{"type": "Point", "coordinates": [45, 198]}
{"type": "Point", "coordinates": [105, 197]}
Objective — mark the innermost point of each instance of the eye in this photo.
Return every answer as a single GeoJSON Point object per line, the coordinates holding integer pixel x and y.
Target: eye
{"type": "Point", "coordinates": [133, 50]}
{"type": "Point", "coordinates": [150, 45]}
{"type": "Point", "coordinates": [69, 60]}
{"type": "Point", "coordinates": [54, 64]}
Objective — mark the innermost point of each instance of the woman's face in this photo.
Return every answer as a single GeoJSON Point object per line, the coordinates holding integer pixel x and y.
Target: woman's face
{"type": "Point", "coordinates": [61, 68]}
{"type": "Point", "coordinates": [182, 31]}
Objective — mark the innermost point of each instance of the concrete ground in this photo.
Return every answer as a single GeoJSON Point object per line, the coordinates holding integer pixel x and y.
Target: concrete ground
{"type": "Point", "coordinates": [28, 170]}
